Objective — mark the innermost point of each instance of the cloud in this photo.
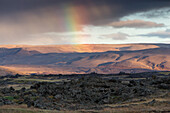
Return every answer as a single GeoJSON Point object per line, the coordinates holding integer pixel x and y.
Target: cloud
{"type": "Point", "coordinates": [57, 38]}
{"type": "Point", "coordinates": [135, 24]}
{"type": "Point", "coordinates": [67, 34]}
{"type": "Point", "coordinates": [21, 18]}
{"type": "Point", "coordinates": [116, 36]}
{"type": "Point", "coordinates": [90, 11]}
{"type": "Point", "coordinates": [160, 34]}
{"type": "Point", "coordinates": [164, 12]}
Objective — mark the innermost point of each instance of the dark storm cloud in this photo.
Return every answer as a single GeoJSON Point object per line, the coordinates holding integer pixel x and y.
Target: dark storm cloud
{"type": "Point", "coordinates": [117, 8]}
{"type": "Point", "coordinates": [21, 20]}
{"type": "Point", "coordinates": [164, 13]}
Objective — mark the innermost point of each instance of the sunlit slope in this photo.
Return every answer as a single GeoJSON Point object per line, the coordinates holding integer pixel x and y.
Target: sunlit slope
{"type": "Point", "coordinates": [33, 61]}
{"type": "Point", "coordinates": [6, 71]}
{"type": "Point", "coordinates": [82, 48]}
{"type": "Point", "coordinates": [110, 62]}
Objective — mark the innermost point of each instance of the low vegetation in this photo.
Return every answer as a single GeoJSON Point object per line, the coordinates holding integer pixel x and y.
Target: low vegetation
{"type": "Point", "coordinates": [143, 92]}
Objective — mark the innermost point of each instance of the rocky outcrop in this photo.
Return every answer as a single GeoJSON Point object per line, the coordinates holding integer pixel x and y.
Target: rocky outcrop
{"type": "Point", "coordinates": [83, 93]}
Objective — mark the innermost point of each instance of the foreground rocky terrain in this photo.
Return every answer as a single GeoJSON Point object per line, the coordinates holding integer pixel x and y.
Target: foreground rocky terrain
{"type": "Point", "coordinates": [94, 92]}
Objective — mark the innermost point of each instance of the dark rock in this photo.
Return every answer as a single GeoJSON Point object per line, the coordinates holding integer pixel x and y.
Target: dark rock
{"type": "Point", "coordinates": [83, 93]}
{"type": "Point", "coordinates": [23, 89]}
{"type": "Point", "coordinates": [164, 86]}
{"type": "Point", "coordinates": [151, 102]}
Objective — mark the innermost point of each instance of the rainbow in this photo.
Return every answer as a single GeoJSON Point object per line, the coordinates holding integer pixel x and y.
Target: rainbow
{"type": "Point", "coordinates": [75, 17]}
{"type": "Point", "coordinates": [73, 21]}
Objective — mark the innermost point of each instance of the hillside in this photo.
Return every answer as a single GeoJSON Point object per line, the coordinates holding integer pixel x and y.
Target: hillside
{"type": "Point", "coordinates": [128, 58]}
{"type": "Point", "coordinates": [5, 71]}
{"type": "Point", "coordinates": [82, 48]}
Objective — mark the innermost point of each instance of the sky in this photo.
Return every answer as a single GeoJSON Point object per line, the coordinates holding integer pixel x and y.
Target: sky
{"type": "Point", "coordinates": [53, 22]}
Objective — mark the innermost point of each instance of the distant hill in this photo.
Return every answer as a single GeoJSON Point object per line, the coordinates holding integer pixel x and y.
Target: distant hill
{"type": "Point", "coordinates": [82, 47]}
{"type": "Point", "coordinates": [66, 59]}
{"type": "Point", "coordinates": [5, 71]}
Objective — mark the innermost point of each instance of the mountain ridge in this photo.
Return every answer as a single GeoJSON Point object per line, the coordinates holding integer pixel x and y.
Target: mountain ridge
{"type": "Point", "coordinates": [81, 48]}
{"type": "Point", "coordinates": [147, 58]}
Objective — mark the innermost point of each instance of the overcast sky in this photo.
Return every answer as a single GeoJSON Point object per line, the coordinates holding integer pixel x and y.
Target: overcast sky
{"type": "Point", "coordinates": [45, 22]}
